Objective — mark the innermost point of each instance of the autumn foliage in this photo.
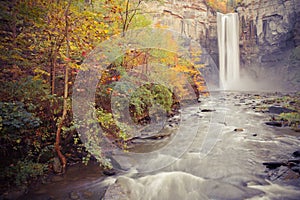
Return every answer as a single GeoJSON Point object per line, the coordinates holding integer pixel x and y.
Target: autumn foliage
{"type": "Point", "coordinates": [43, 44]}
{"type": "Point", "coordinates": [223, 6]}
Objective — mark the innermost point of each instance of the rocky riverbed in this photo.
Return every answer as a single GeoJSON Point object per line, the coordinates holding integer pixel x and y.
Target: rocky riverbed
{"type": "Point", "coordinates": [225, 148]}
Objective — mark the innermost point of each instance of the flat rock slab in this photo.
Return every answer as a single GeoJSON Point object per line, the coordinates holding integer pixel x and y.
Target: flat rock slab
{"type": "Point", "coordinates": [278, 110]}
{"type": "Point", "coordinates": [274, 123]}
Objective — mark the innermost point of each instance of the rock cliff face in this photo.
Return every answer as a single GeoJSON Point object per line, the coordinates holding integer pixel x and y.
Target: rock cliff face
{"type": "Point", "coordinates": [270, 38]}
{"type": "Point", "coordinates": [192, 18]}
{"type": "Point", "coordinates": [269, 34]}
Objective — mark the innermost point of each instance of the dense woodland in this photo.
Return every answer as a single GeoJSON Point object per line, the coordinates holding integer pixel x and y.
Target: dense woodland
{"type": "Point", "coordinates": [43, 44]}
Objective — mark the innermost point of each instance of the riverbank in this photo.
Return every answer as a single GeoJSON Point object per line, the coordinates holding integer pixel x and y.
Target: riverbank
{"type": "Point", "coordinates": [230, 163]}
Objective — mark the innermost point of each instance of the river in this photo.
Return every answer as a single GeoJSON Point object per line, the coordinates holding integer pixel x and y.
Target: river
{"type": "Point", "coordinates": [217, 152]}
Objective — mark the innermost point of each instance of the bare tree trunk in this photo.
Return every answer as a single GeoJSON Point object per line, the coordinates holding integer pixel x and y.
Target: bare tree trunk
{"type": "Point", "coordinates": [129, 15]}
{"type": "Point", "coordinates": [126, 18]}
{"type": "Point", "coordinates": [53, 72]}
{"type": "Point", "coordinates": [65, 102]}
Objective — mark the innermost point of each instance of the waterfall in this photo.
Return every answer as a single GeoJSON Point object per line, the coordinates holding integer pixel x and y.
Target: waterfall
{"type": "Point", "coordinates": [229, 56]}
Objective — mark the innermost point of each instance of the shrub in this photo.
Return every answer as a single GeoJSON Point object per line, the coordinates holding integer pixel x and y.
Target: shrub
{"type": "Point", "coordinates": [22, 172]}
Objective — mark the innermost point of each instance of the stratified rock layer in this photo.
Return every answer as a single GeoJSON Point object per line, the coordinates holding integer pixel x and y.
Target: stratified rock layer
{"type": "Point", "coordinates": [269, 35]}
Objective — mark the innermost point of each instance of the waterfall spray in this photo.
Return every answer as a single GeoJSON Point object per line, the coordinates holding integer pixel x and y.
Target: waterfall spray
{"type": "Point", "coordinates": [229, 56]}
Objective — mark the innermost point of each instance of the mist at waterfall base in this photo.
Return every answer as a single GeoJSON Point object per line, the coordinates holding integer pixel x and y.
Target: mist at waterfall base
{"type": "Point", "coordinates": [231, 76]}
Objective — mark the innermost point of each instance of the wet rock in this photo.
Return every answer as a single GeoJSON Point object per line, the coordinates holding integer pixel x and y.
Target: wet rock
{"type": "Point", "coordinates": [115, 192]}
{"type": "Point", "coordinates": [292, 163]}
{"type": "Point", "coordinates": [174, 124]}
{"type": "Point", "coordinates": [296, 129]}
{"type": "Point", "coordinates": [279, 172]}
{"type": "Point", "coordinates": [57, 167]}
{"type": "Point", "coordinates": [175, 119]}
{"type": "Point", "coordinates": [273, 165]}
{"type": "Point", "coordinates": [260, 109]}
{"type": "Point", "coordinates": [109, 172]}
{"type": "Point", "coordinates": [74, 195]}
{"type": "Point", "coordinates": [290, 175]}
{"type": "Point", "coordinates": [208, 110]}
{"type": "Point", "coordinates": [274, 123]}
{"type": "Point", "coordinates": [296, 169]}
{"type": "Point", "coordinates": [171, 125]}
{"type": "Point", "coordinates": [269, 101]}
{"type": "Point", "coordinates": [242, 101]}
{"type": "Point", "coordinates": [238, 129]}
{"type": "Point", "coordinates": [87, 194]}
{"type": "Point", "coordinates": [278, 110]}
{"type": "Point", "coordinates": [296, 154]}
{"type": "Point", "coordinates": [285, 170]}
{"type": "Point", "coordinates": [114, 162]}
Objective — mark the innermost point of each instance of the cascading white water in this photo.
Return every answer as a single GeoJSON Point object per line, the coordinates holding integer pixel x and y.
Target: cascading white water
{"type": "Point", "coordinates": [229, 56]}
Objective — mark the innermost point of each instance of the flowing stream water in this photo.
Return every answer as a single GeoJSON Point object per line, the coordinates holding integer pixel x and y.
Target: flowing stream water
{"type": "Point", "coordinates": [232, 169]}
{"type": "Point", "coordinates": [219, 164]}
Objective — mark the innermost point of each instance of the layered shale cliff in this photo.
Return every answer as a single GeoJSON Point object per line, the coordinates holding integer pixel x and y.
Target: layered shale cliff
{"type": "Point", "coordinates": [270, 39]}
{"type": "Point", "coordinates": [269, 34]}
{"type": "Point", "coordinates": [192, 18]}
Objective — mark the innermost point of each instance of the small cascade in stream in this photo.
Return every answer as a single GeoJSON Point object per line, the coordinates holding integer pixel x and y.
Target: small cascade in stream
{"type": "Point", "coordinates": [229, 56]}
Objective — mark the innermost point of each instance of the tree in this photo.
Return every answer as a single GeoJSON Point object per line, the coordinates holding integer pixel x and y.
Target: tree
{"type": "Point", "coordinates": [130, 13]}
{"type": "Point", "coordinates": [66, 88]}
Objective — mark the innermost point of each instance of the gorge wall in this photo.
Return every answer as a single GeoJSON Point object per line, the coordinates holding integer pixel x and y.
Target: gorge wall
{"type": "Point", "coordinates": [192, 18]}
{"type": "Point", "coordinates": [269, 35]}
{"type": "Point", "coordinates": [269, 40]}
